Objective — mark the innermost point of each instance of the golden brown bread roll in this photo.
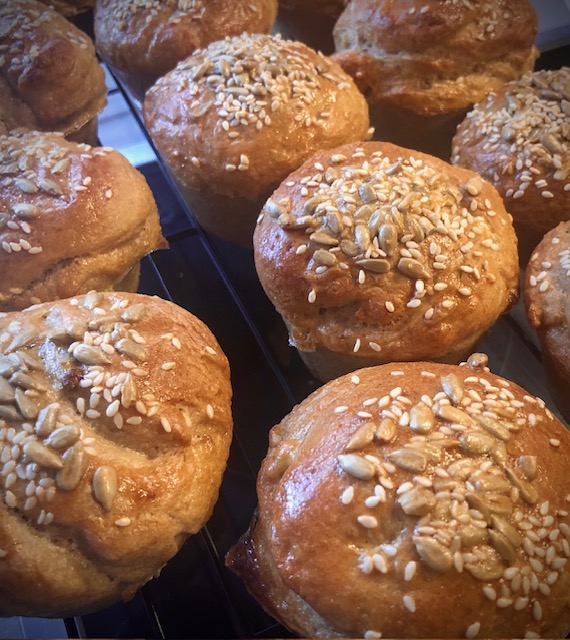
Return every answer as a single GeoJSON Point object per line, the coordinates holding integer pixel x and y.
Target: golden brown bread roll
{"type": "Point", "coordinates": [73, 218]}
{"type": "Point", "coordinates": [374, 253]}
{"type": "Point", "coordinates": [141, 41]}
{"type": "Point", "coordinates": [546, 296]}
{"type": "Point", "coordinates": [50, 78]}
{"type": "Point", "coordinates": [518, 138]}
{"type": "Point", "coordinates": [115, 429]}
{"type": "Point", "coordinates": [423, 63]}
{"type": "Point", "coordinates": [235, 118]}
{"type": "Point", "coordinates": [414, 500]}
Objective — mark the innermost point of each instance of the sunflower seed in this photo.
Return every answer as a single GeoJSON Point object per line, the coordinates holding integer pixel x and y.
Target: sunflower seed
{"type": "Point", "coordinates": [312, 203]}
{"type": "Point", "coordinates": [274, 210]}
{"type": "Point", "coordinates": [89, 355]}
{"type": "Point", "coordinates": [322, 237]}
{"type": "Point", "coordinates": [128, 391]}
{"type": "Point", "coordinates": [375, 265]}
{"type": "Point", "coordinates": [456, 415]}
{"type": "Point", "coordinates": [39, 453]}
{"type": "Point", "coordinates": [506, 529]}
{"type": "Point", "coordinates": [409, 459]}
{"type": "Point", "coordinates": [477, 361]}
{"type": "Point", "coordinates": [471, 535]}
{"type": "Point", "coordinates": [489, 482]}
{"type": "Point", "coordinates": [386, 430]}
{"type": "Point", "coordinates": [29, 360]}
{"type": "Point", "coordinates": [476, 442]}
{"type": "Point", "coordinates": [362, 437]}
{"type": "Point", "coordinates": [63, 437]}
{"type": "Point", "coordinates": [349, 248]}
{"type": "Point", "coordinates": [422, 419]}
{"type": "Point", "coordinates": [74, 464]}
{"type": "Point", "coordinates": [133, 313]}
{"type": "Point", "coordinates": [105, 486]}
{"type": "Point", "coordinates": [452, 387]}
{"type": "Point", "coordinates": [412, 268]}
{"type": "Point", "coordinates": [356, 466]}
{"type": "Point", "coordinates": [551, 143]}
{"type": "Point", "coordinates": [25, 210]}
{"type": "Point", "coordinates": [25, 381]}
{"type": "Point", "coordinates": [28, 408]}
{"type": "Point", "coordinates": [499, 503]}
{"type": "Point", "coordinates": [434, 554]}
{"type": "Point", "coordinates": [528, 467]}
{"type": "Point", "coordinates": [131, 349]}
{"type": "Point", "coordinates": [461, 468]}
{"type": "Point", "coordinates": [6, 391]}
{"type": "Point", "coordinates": [8, 412]}
{"type": "Point", "coordinates": [367, 193]}
{"type": "Point", "coordinates": [388, 238]}
{"type": "Point", "coordinates": [527, 491]}
{"type": "Point", "coordinates": [477, 502]}
{"type": "Point", "coordinates": [499, 453]}
{"type": "Point", "coordinates": [333, 222]}
{"type": "Point", "coordinates": [418, 501]}
{"type": "Point", "coordinates": [23, 339]}
{"type": "Point", "coordinates": [493, 427]}
{"type": "Point", "coordinates": [362, 238]}
{"type": "Point", "coordinates": [324, 257]}
{"type": "Point", "coordinates": [46, 420]}
{"type": "Point", "coordinates": [486, 569]}
{"type": "Point", "coordinates": [502, 546]}
{"type": "Point", "coordinates": [7, 366]}
{"type": "Point", "coordinates": [92, 299]}
{"type": "Point", "coordinates": [364, 212]}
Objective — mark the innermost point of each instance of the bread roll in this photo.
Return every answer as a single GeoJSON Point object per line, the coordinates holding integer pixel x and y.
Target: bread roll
{"type": "Point", "coordinates": [414, 500]}
{"type": "Point", "coordinates": [50, 78]}
{"type": "Point", "coordinates": [546, 296]}
{"type": "Point", "coordinates": [423, 63]}
{"type": "Point", "coordinates": [237, 117]}
{"type": "Point", "coordinates": [141, 40]}
{"type": "Point", "coordinates": [373, 253]}
{"type": "Point", "coordinates": [115, 430]}
{"type": "Point", "coordinates": [518, 138]}
{"type": "Point", "coordinates": [73, 218]}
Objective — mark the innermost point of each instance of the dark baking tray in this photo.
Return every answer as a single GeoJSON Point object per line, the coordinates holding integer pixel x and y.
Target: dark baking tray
{"type": "Point", "coordinates": [195, 596]}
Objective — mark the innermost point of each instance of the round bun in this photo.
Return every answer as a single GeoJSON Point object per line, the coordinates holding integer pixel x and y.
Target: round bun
{"type": "Point", "coordinates": [373, 253]}
{"type": "Point", "coordinates": [518, 139]}
{"type": "Point", "coordinates": [117, 455]}
{"type": "Point", "coordinates": [229, 138]}
{"type": "Point", "coordinates": [546, 296]}
{"type": "Point", "coordinates": [50, 78]}
{"type": "Point", "coordinates": [70, 8]}
{"type": "Point", "coordinates": [414, 500]}
{"type": "Point", "coordinates": [142, 40]}
{"type": "Point", "coordinates": [423, 63]}
{"type": "Point", "coordinates": [73, 218]}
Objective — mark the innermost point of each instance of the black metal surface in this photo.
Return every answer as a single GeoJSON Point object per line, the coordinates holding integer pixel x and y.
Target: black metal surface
{"type": "Point", "coordinates": [195, 596]}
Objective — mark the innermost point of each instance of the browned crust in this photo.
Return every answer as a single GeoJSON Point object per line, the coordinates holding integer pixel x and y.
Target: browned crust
{"type": "Point", "coordinates": [516, 138]}
{"type": "Point", "coordinates": [71, 553]}
{"type": "Point", "coordinates": [434, 57]}
{"type": "Point", "coordinates": [52, 72]}
{"type": "Point", "coordinates": [546, 301]}
{"type": "Point", "coordinates": [304, 555]}
{"type": "Point", "coordinates": [75, 218]}
{"type": "Point", "coordinates": [352, 310]}
{"type": "Point", "coordinates": [143, 41]}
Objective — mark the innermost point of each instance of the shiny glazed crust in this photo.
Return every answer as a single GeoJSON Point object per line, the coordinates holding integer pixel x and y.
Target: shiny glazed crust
{"type": "Point", "coordinates": [546, 299]}
{"type": "Point", "coordinates": [435, 56]}
{"type": "Point", "coordinates": [74, 218]}
{"type": "Point", "coordinates": [518, 138]}
{"type": "Point", "coordinates": [414, 500]}
{"type": "Point", "coordinates": [117, 409]}
{"type": "Point", "coordinates": [374, 253]}
{"type": "Point", "coordinates": [143, 40]}
{"type": "Point", "coordinates": [51, 78]}
{"type": "Point", "coordinates": [242, 139]}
